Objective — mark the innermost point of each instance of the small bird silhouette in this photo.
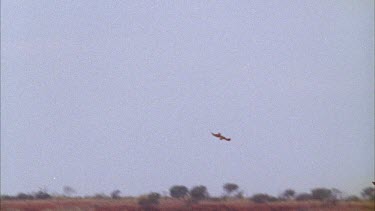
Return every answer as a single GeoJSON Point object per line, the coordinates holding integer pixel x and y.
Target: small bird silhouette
{"type": "Point", "coordinates": [220, 136]}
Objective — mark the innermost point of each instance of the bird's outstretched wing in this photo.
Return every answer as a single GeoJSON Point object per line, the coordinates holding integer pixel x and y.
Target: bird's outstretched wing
{"type": "Point", "coordinates": [218, 135]}
{"type": "Point", "coordinates": [227, 139]}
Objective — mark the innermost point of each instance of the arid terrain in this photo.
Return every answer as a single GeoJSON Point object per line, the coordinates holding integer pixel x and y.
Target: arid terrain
{"type": "Point", "coordinates": [172, 204]}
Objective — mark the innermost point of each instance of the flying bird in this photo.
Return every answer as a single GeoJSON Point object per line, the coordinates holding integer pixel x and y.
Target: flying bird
{"type": "Point", "coordinates": [218, 135]}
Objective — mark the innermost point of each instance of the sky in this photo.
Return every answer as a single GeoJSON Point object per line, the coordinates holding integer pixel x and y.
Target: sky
{"type": "Point", "coordinates": [106, 95]}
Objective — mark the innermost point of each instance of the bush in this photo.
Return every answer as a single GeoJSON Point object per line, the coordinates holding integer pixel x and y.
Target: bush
{"type": "Point", "coordinates": [288, 194]}
{"type": "Point", "coordinates": [68, 191]}
{"type": "Point", "coordinates": [321, 194]}
{"type": "Point", "coordinates": [352, 198]}
{"type": "Point", "coordinates": [198, 193]}
{"type": "Point", "coordinates": [304, 197]}
{"type": "Point", "coordinates": [229, 188]}
{"type": "Point", "coordinates": [115, 194]}
{"type": "Point", "coordinates": [24, 196]}
{"type": "Point", "coordinates": [42, 195]}
{"type": "Point", "coordinates": [151, 199]}
{"type": "Point", "coordinates": [239, 195]}
{"type": "Point", "coordinates": [178, 191]}
{"type": "Point", "coordinates": [7, 197]}
{"type": "Point", "coordinates": [368, 193]}
{"type": "Point", "coordinates": [216, 199]}
{"type": "Point", "coordinates": [100, 196]}
{"type": "Point", "coordinates": [262, 198]}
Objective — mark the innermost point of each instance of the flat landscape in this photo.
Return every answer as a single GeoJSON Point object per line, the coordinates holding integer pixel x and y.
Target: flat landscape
{"type": "Point", "coordinates": [172, 204]}
{"type": "Point", "coordinates": [187, 105]}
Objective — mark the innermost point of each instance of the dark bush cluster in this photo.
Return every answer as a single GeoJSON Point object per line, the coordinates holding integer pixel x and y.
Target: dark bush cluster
{"type": "Point", "coordinates": [200, 192]}
{"type": "Point", "coordinates": [26, 196]}
{"type": "Point", "coordinates": [262, 198]}
{"type": "Point", "coordinates": [178, 191]}
{"type": "Point", "coordinates": [149, 200]}
{"type": "Point", "coordinates": [115, 194]}
{"type": "Point", "coordinates": [42, 195]}
{"type": "Point", "coordinates": [304, 197]}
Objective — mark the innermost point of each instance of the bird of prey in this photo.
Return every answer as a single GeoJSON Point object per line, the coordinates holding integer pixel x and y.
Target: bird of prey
{"type": "Point", "coordinates": [218, 135]}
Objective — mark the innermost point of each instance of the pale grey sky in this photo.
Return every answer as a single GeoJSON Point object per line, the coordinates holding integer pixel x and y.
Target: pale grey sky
{"type": "Point", "coordinates": [105, 95]}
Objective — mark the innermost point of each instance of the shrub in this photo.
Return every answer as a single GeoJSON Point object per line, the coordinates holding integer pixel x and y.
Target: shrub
{"type": "Point", "coordinates": [352, 198]}
{"type": "Point", "coordinates": [100, 196]}
{"type": "Point", "coordinates": [24, 196]}
{"type": "Point", "coordinates": [150, 199]}
{"type": "Point", "coordinates": [42, 195]}
{"type": "Point", "coordinates": [198, 193]}
{"type": "Point", "coordinates": [68, 191]}
{"type": "Point", "coordinates": [178, 191]}
{"type": "Point", "coordinates": [7, 197]}
{"type": "Point", "coordinates": [368, 193]}
{"type": "Point", "coordinates": [304, 197]}
{"type": "Point", "coordinates": [321, 194]}
{"type": "Point", "coordinates": [115, 194]}
{"type": "Point", "coordinates": [288, 194]}
{"type": "Point", "coordinates": [262, 198]}
{"type": "Point", "coordinates": [229, 188]}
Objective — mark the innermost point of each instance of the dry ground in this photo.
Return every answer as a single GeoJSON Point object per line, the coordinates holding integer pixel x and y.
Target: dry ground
{"type": "Point", "coordinates": [176, 205]}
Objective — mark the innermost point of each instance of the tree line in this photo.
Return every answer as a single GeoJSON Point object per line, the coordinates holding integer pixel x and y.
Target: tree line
{"type": "Point", "coordinates": [200, 192]}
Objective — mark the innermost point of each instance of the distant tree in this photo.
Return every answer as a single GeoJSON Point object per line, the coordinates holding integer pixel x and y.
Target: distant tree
{"type": "Point", "coordinates": [100, 196]}
{"type": "Point", "coordinates": [336, 194]}
{"type": "Point", "coordinates": [215, 199]}
{"type": "Point", "coordinates": [321, 194]}
{"type": "Point", "coordinates": [198, 193]}
{"type": "Point", "coordinates": [288, 194]}
{"type": "Point", "coordinates": [368, 193]}
{"type": "Point", "coordinates": [149, 200]}
{"type": "Point", "coordinates": [154, 197]}
{"type": "Point", "coordinates": [239, 195]}
{"type": "Point", "coordinates": [143, 201]}
{"type": "Point", "coordinates": [352, 198]}
{"type": "Point", "coordinates": [178, 191]}
{"type": "Point", "coordinates": [262, 198]}
{"type": "Point", "coordinates": [24, 196]}
{"type": "Point", "coordinates": [304, 197]}
{"type": "Point", "coordinates": [115, 194]}
{"type": "Point", "coordinates": [68, 191]}
{"type": "Point", "coordinates": [42, 195]}
{"type": "Point", "coordinates": [6, 197]}
{"type": "Point", "coordinates": [229, 188]}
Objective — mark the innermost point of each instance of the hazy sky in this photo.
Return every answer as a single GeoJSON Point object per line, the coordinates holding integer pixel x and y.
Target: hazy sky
{"type": "Point", "coordinates": [105, 95]}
